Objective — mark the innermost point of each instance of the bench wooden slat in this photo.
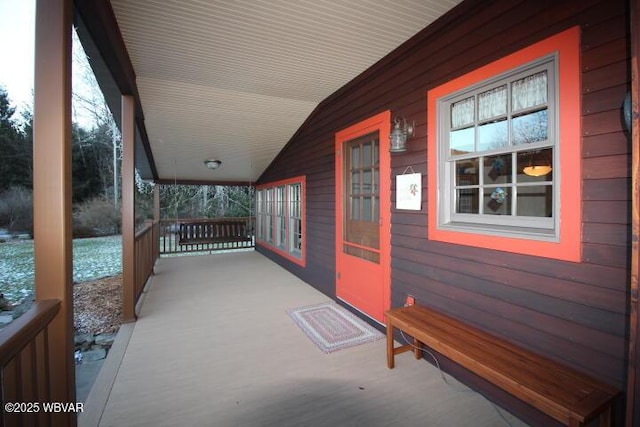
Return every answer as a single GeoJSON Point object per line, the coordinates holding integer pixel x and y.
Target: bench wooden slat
{"type": "Point", "coordinates": [559, 391]}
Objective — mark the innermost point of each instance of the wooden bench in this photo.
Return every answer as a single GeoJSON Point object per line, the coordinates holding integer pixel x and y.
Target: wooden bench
{"type": "Point", "coordinates": [194, 233]}
{"type": "Point", "coordinates": [561, 392]}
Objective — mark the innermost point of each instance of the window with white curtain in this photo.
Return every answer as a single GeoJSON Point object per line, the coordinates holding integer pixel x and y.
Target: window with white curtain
{"type": "Point", "coordinates": [498, 156]}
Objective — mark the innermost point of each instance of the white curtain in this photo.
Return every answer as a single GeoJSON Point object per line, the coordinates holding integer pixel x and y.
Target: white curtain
{"type": "Point", "coordinates": [462, 112]}
{"type": "Point", "coordinates": [492, 103]}
{"type": "Point", "coordinates": [529, 91]}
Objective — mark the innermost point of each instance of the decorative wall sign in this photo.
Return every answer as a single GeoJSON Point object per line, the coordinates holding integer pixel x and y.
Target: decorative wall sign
{"type": "Point", "coordinates": [409, 190]}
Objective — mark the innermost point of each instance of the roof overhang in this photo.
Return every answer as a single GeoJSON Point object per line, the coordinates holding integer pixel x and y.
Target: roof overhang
{"type": "Point", "coordinates": [233, 80]}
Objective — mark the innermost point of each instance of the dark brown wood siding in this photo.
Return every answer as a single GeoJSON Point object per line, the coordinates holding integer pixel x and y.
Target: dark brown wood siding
{"type": "Point", "coordinates": [576, 313]}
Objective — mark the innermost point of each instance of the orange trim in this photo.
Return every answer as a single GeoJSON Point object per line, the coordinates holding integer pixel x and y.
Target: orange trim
{"type": "Point", "coordinates": [567, 45]}
{"type": "Point", "coordinates": [382, 123]}
{"type": "Point", "coordinates": [302, 180]}
{"type": "Point", "coordinates": [355, 245]}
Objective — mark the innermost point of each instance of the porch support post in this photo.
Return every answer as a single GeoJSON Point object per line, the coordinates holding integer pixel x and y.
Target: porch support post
{"type": "Point", "coordinates": [52, 219]}
{"type": "Point", "coordinates": [633, 374]}
{"type": "Point", "coordinates": [128, 210]}
{"type": "Point", "coordinates": [156, 202]}
{"type": "Point", "coordinates": [156, 224]}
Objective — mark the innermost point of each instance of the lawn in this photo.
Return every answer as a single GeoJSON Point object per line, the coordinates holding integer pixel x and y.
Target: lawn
{"type": "Point", "coordinates": [93, 258]}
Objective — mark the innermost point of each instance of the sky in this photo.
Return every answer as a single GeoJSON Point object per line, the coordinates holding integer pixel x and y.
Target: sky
{"type": "Point", "coordinates": [17, 47]}
{"type": "Point", "coordinates": [17, 21]}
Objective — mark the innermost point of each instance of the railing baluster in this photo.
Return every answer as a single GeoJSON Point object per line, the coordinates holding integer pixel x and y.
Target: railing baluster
{"type": "Point", "coordinates": [24, 360]}
{"type": "Point", "coordinates": [27, 362]}
{"type": "Point", "coordinates": [10, 385]}
{"type": "Point", "coordinates": [42, 374]}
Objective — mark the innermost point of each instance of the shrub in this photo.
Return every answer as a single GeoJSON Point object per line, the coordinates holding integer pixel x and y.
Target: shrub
{"type": "Point", "coordinates": [16, 210]}
{"type": "Point", "coordinates": [96, 217]}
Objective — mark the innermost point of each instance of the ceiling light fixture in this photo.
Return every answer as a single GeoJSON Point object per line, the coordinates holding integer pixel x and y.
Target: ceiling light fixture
{"type": "Point", "coordinates": [212, 163]}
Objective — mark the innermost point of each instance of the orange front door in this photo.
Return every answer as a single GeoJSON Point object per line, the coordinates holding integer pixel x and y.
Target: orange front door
{"type": "Point", "coordinates": [363, 215]}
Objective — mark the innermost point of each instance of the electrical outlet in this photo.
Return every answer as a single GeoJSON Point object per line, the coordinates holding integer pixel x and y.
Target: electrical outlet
{"type": "Point", "coordinates": [411, 300]}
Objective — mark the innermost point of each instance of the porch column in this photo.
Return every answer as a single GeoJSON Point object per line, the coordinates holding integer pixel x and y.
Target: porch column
{"type": "Point", "coordinates": [52, 220]}
{"type": "Point", "coordinates": [128, 210]}
{"type": "Point", "coordinates": [633, 376]}
{"type": "Point", "coordinates": [156, 223]}
{"type": "Point", "coordinates": [156, 202]}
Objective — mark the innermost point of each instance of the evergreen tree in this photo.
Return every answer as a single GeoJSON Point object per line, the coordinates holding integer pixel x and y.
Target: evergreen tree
{"type": "Point", "coordinates": [15, 150]}
{"type": "Point", "coordinates": [92, 154]}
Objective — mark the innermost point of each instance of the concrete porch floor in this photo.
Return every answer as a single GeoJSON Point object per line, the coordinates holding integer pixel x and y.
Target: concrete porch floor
{"type": "Point", "coordinates": [214, 346]}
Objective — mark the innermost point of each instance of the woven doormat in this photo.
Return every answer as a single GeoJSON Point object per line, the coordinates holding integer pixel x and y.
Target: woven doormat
{"type": "Point", "coordinates": [333, 328]}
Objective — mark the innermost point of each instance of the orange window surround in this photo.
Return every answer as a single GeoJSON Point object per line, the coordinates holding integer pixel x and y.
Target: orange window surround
{"type": "Point", "coordinates": [568, 247]}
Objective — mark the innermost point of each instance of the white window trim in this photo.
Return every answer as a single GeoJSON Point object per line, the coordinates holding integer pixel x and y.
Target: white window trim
{"type": "Point", "coordinates": [292, 248]}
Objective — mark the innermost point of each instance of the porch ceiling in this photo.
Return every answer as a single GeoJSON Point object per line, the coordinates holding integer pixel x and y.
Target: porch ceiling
{"type": "Point", "coordinates": [234, 80]}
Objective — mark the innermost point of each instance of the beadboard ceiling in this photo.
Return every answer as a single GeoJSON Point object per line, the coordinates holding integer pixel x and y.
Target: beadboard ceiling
{"type": "Point", "coordinates": [234, 80]}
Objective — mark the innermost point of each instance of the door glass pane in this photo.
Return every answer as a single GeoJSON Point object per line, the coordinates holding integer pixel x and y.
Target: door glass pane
{"type": "Point", "coordinates": [376, 209]}
{"type": "Point", "coordinates": [355, 208]}
{"type": "Point", "coordinates": [366, 209]}
{"type": "Point", "coordinates": [366, 155]}
{"type": "Point", "coordinates": [362, 186]}
{"type": "Point", "coordinates": [376, 181]}
{"type": "Point", "coordinates": [376, 156]}
{"type": "Point", "coordinates": [367, 181]}
{"type": "Point", "coordinates": [355, 182]}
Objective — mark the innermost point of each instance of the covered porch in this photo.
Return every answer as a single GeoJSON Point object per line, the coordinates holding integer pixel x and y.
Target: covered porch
{"type": "Point", "coordinates": [214, 345]}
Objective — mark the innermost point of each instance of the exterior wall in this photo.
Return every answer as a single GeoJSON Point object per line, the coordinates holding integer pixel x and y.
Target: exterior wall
{"type": "Point", "coordinates": [573, 312]}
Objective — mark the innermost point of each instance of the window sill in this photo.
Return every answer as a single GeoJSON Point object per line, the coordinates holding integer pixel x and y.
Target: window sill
{"type": "Point", "coordinates": [293, 256]}
{"type": "Point", "coordinates": [526, 242]}
{"type": "Point", "coordinates": [529, 233]}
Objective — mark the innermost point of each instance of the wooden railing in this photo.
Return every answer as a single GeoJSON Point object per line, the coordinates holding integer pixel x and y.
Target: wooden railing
{"type": "Point", "coordinates": [147, 251]}
{"type": "Point", "coordinates": [25, 365]}
{"type": "Point", "coordinates": [206, 234]}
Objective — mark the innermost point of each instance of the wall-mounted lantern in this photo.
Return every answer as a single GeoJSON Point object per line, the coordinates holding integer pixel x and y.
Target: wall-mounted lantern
{"type": "Point", "coordinates": [401, 132]}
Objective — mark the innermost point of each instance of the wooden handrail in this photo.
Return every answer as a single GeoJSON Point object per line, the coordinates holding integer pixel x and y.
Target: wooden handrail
{"type": "Point", "coordinates": [145, 229]}
{"type": "Point", "coordinates": [216, 219]}
{"type": "Point", "coordinates": [24, 329]}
